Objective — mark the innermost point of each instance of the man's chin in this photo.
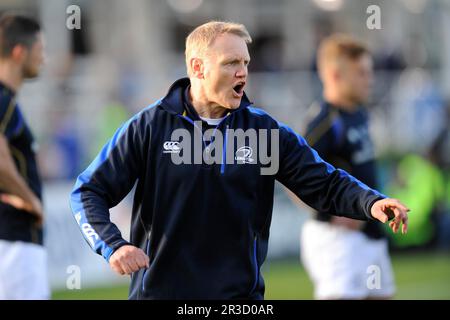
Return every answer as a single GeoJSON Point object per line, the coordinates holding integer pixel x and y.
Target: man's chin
{"type": "Point", "coordinates": [233, 104]}
{"type": "Point", "coordinates": [359, 101]}
{"type": "Point", "coordinates": [31, 74]}
{"type": "Point", "coordinates": [363, 101]}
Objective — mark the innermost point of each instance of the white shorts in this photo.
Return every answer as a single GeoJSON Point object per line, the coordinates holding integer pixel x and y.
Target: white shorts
{"type": "Point", "coordinates": [345, 264]}
{"type": "Point", "coordinates": [23, 271]}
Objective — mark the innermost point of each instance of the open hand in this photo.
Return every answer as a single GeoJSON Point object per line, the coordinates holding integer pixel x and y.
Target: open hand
{"type": "Point", "coordinates": [388, 209]}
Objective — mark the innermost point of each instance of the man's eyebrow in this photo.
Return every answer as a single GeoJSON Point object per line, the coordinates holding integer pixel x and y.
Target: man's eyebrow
{"type": "Point", "coordinates": [233, 59]}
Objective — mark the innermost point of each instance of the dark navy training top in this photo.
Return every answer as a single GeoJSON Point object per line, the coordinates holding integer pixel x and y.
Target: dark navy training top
{"type": "Point", "coordinates": [342, 138]}
{"type": "Point", "coordinates": [205, 227]}
{"type": "Point", "coordinates": [18, 225]}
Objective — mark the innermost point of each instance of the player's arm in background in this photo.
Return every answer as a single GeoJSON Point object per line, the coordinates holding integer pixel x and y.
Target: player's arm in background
{"type": "Point", "coordinates": [107, 180]}
{"type": "Point", "coordinates": [331, 190]}
{"type": "Point", "coordinates": [16, 191]}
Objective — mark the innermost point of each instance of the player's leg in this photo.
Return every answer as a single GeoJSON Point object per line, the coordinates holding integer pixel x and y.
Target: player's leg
{"type": "Point", "coordinates": [4, 266]}
{"type": "Point", "coordinates": [331, 256]}
{"type": "Point", "coordinates": [23, 271]}
{"type": "Point", "coordinates": [382, 260]}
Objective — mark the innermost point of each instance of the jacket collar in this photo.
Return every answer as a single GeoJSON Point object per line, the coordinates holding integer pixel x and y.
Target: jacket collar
{"type": "Point", "coordinates": [173, 102]}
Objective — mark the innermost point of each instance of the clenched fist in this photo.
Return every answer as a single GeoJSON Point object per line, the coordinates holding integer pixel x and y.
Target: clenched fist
{"type": "Point", "coordinates": [128, 259]}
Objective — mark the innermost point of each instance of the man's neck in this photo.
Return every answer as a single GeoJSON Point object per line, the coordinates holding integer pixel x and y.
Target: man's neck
{"type": "Point", "coordinates": [340, 102]}
{"type": "Point", "coordinates": [204, 108]}
{"type": "Point", "coordinates": [10, 76]}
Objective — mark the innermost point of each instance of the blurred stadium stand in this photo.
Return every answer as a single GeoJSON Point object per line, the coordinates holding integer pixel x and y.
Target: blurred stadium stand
{"type": "Point", "coordinates": [127, 53]}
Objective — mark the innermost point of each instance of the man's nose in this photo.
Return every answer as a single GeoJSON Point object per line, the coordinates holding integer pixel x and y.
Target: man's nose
{"type": "Point", "coordinates": [242, 72]}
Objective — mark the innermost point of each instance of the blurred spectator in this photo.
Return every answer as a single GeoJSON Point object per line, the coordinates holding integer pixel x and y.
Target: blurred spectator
{"type": "Point", "coordinates": [419, 183]}
{"type": "Point", "coordinates": [440, 156]}
{"type": "Point", "coordinates": [110, 119]}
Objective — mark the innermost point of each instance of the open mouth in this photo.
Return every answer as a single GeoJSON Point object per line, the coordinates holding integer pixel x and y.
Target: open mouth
{"type": "Point", "coordinates": [239, 88]}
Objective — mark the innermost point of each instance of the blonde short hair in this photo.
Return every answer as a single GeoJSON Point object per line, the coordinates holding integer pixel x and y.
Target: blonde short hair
{"type": "Point", "coordinates": [337, 47]}
{"type": "Point", "coordinates": [198, 41]}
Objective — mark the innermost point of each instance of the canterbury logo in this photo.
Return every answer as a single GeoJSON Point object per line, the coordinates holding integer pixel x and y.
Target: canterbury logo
{"type": "Point", "coordinates": [171, 147]}
{"type": "Point", "coordinates": [88, 231]}
{"type": "Point", "coordinates": [244, 154]}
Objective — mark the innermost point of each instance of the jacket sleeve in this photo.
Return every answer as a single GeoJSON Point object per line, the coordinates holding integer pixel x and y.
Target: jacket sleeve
{"type": "Point", "coordinates": [319, 184]}
{"type": "Point", "coordinates": [107, 180]}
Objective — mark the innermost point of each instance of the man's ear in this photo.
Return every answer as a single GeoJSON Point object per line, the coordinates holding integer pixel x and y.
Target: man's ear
{"type": "Point", "coordinates": [19, 53]}
{"type": "Point", "coordinates": [197, 67]}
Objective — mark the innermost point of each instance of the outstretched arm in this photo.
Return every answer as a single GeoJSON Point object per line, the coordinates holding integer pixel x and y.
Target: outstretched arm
{"type": "Point", "coordinates": [331, 190]}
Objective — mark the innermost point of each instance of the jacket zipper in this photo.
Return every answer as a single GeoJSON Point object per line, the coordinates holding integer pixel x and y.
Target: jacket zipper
{"type": "Point", "coordinates": [255, 263]}
{"type": "Point", "coordinates": [147, 251]}
{"type": "Point", "coordinates": [224, 152]}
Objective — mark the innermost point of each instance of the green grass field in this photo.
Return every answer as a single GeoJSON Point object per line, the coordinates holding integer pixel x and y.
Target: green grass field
{"type": "Point", "coordinates": [418, 276]}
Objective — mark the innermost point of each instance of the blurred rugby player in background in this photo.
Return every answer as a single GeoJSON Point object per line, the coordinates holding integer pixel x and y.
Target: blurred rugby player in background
{"type": "Point", "coordinates": [336, 251]}
{"type": "Point", "coordinates": [23, 268]}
